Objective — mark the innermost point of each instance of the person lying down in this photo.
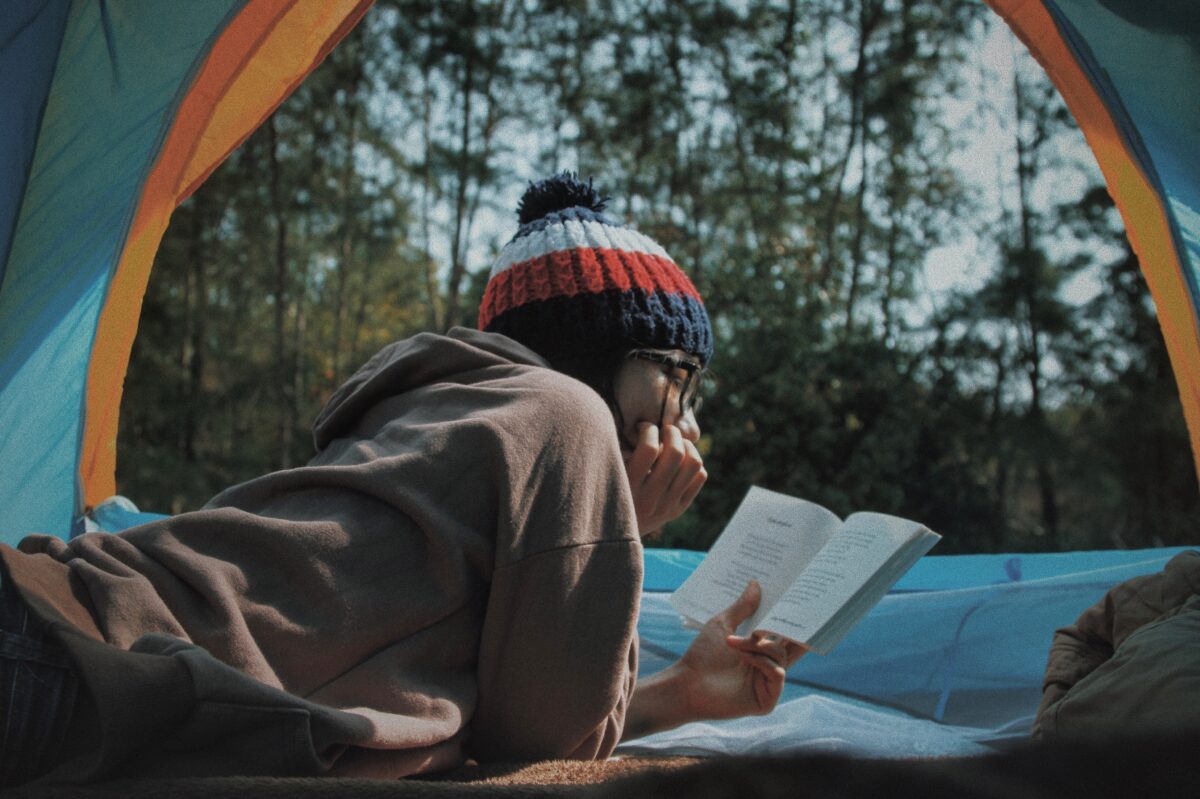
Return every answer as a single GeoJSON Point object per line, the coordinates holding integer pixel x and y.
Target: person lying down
{"type": "Point", "coordinates": [455, 575]}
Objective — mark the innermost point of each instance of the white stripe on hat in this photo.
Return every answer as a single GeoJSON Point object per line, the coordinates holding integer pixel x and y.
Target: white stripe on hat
{"type": "Point", "coordinates": [573, 234]}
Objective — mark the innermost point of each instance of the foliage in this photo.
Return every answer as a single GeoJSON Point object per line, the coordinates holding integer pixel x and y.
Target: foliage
{"type": "Point", "coordinates": [799, 160]}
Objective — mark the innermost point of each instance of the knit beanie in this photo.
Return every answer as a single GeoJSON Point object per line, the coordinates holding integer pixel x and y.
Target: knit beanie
{"type": "Point", "coordinates": [573, 284]}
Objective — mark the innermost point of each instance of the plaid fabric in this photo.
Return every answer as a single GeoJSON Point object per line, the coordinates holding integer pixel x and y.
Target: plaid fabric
{"type": "Point", "coordinates": [38, 684]}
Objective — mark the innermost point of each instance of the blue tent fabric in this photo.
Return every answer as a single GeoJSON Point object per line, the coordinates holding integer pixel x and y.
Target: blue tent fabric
{"type": "Point", "coordinates": [1126, 45]}
{"type": "Point", "coordinates": [26, 67]}
{"type": "Point", "coordinates": [110, 115]}
{"type": "Point", "coordinates": [666, 569]}
{"type": "Point", "coordinates": [95, 89]}
{"type": "Point", "coordinates": [116, 514]}
{"type": "Point", "coordinates": [950, 662]}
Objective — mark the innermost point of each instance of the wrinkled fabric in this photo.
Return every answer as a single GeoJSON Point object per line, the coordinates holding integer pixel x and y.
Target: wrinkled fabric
{"type": "Point", "coordinates": [37, 691]}
{"type": "Point", "coordinates": [1131, 662]}
{"type": "Point", "coordinates": [455, 574]}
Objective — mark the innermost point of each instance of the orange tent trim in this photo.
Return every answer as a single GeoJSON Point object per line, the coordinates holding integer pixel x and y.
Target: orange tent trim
{"type": "Point", "coordinates": [231, 95]}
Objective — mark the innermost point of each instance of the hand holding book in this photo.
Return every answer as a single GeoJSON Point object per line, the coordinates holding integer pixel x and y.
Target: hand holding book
{"type": "Point", "coordinates": [786, 576]}
{"type": "Point", "coordinates": [722, 675]}
{"type": "Point", "coordinates": [819, 575]}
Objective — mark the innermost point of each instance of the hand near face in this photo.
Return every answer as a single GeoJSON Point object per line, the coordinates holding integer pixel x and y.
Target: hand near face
{"type": "Point", "coordinates": [665, 473]}
{"type": "Point", "coordinates": [730, 675]}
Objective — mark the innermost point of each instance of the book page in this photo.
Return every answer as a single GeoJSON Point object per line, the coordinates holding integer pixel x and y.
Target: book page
{"type": "Point", "coordinates": [847, 563]}
{"type": "Point", "coordinates": [770, 538]}
{"type": "Point", "coordinates": [875, 589]}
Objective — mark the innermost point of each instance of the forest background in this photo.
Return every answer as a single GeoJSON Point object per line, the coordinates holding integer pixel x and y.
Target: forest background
{"type": "Point", "coordinates": [923, 299]}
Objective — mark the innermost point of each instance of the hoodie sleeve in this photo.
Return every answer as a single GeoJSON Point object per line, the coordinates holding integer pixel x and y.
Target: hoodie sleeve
{"type": "Point", "coordinates": [558, 656]}
{"type": "Point", "coordinates": [558, 649]}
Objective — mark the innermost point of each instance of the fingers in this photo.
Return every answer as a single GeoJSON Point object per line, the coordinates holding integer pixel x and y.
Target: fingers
{"type": "Point", "coordinates": [690, 465]}
{"type": "Point", "coordinates": [765, 666]}
{"type": "Point", "coordinates": [758, 644]}
{"type": "Point", "coordinates": [670, 458]}
{"type": "Point", "coordinates": [780, 650]}
{"type": "Point", "coordinates": [643, 456]}
{"type": "Point", "coordinates": [637, 468]}
{"type": "Point", "coordinates": [693, 488]}
{"type": "Point", "coordinates": [666, 472]}
{"type": "Point", "coordinates": [743, 607]}
{"type": "Point", "coordinates": [769, 687]}
{"type": "Point", "coordinates": [794, 652]}
{"type": "Point", "coordinates": [767, 681]}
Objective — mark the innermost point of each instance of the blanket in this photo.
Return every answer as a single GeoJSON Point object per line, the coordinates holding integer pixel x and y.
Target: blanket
{"type": "Point", "coordinates": [1132, 660]}
{"type": "Point", "coordinates": [1158, 765]}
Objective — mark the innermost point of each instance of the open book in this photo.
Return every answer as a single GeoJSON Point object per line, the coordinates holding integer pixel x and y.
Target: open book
{"type": "Point", "coordinates": [819, 575]}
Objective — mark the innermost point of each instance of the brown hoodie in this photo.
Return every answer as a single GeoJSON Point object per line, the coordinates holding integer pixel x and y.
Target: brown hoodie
{"type": "Point", "coordinates": [455, 574]}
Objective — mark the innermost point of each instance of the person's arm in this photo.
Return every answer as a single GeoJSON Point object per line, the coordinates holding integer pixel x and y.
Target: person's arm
{"type": "Point", "coordinates": [557, 657]}
{"type": "Point", "coordinates": [721, 675]}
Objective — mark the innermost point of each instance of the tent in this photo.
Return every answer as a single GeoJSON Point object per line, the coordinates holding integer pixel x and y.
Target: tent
{"type": "Point", "coordinates": [112, 113]}
{"type": "Point", "coordinates": [949, 663]}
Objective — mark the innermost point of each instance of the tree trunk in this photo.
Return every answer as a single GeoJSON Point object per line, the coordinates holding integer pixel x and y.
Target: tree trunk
{"type": "Point", "coordinates": [868, 18]}
{"type": "Point", "coordinates": [889, 288]}
{"type": "Point", "coordinates": [486, 138]}
{"type": "Point", "coordinates": [347, 189]}
{"type": "Point", "coordinates": [285, 410]}
{"type": "Point", "coordinates": [1028, 266]}
{"type": "Point", "coordinates": [457, 244]}
{"type": "Point", "coordinates": [436, 319]}
{"type": "Point", "coordinates": [1000, 494]}
{"type": "Point", "coordinates": [787, 51]}
{"type": "Point", "coordinates": [742, 157]}
{"type": "Point", "coordinates": [198, 314]}
{"type": "Point", "coordinates": [360, 316]}
{"type": "Point", "coordinates": [856, 249]}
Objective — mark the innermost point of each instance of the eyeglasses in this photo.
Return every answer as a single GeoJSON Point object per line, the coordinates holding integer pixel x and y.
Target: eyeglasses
{"type": "Point", "coordinates": [688, 386]}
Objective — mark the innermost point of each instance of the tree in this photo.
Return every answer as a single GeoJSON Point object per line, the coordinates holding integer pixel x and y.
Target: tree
{"type": "Point", "coordinates": [794, 158]}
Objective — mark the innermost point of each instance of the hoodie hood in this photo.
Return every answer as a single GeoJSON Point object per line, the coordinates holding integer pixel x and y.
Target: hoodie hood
{"type": "Point", "coordinates": [414, 362]}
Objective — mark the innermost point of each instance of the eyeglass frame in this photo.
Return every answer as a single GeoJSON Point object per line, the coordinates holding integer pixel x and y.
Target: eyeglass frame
{"type": "Point", "coordinates": [689, 395]}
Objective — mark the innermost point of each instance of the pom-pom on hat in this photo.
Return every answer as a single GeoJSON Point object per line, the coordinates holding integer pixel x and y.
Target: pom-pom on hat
{"type": "Point", "coordinates": [572, 283]}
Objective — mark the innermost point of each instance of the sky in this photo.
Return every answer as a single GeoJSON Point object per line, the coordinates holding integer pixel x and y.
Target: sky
{"type": "Point", "coordinates": [985, 160]}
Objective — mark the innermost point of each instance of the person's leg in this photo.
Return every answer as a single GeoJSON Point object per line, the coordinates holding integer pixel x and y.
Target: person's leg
{"type": "Point", "coordinates": [38, 685]}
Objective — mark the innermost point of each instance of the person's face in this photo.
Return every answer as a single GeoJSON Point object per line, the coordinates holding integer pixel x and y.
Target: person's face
{"type": "Point", "coordinates": [649, 391]}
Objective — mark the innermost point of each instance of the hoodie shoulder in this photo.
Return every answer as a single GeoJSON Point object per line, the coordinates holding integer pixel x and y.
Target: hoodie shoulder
{"type": "Point", "coordinates": [558, 399]}
{"type": "Point", "coordinates": [429, 358]}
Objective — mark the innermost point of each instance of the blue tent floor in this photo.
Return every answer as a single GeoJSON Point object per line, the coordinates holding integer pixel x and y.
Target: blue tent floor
{"type": "Point", "coordinates": [950, 662]}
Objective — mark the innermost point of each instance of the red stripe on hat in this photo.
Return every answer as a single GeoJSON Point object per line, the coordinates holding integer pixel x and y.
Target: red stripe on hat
{"type": "Point", "coordinates": [584, 270]}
